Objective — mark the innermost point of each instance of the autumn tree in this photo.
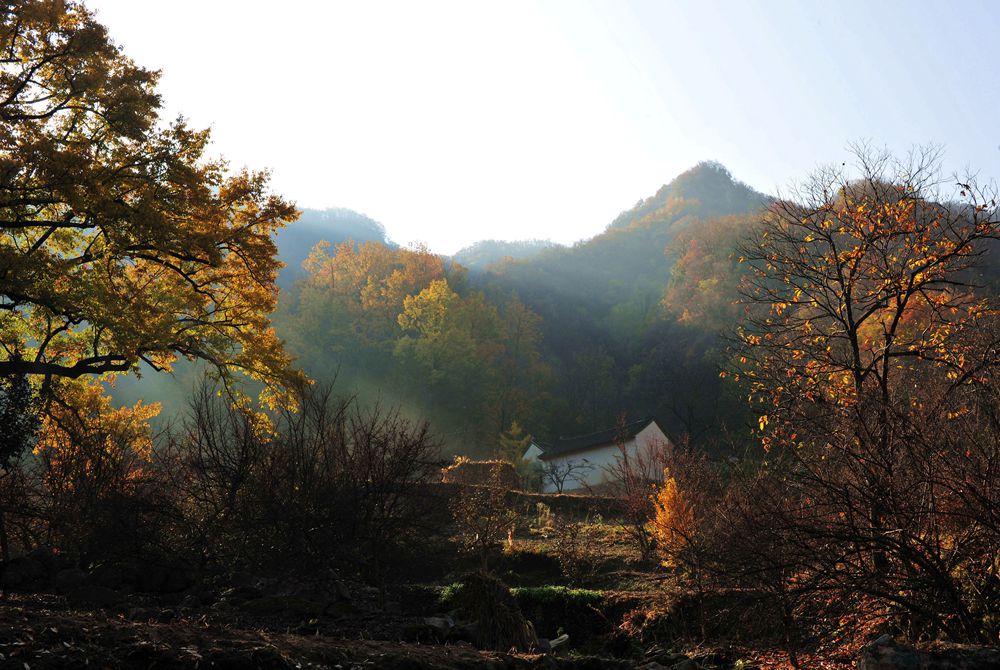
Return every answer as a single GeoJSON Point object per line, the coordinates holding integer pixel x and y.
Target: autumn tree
{"type": "Point", "coordinates": [121, 242]}
{"type": "Point", "coordinates": [706, 272]}
{"type": "Point", "coordinates": [93, 461]}
{"type": "Point", "coordinates": [862, 322]}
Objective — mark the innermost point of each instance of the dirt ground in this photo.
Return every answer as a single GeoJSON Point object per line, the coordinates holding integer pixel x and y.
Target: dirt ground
{"type": "Point", "coordinates": [42, 631]}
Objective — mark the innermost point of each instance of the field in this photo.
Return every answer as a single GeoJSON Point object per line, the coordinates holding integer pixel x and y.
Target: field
{"type": "Point", "coordinates": [572, 566]}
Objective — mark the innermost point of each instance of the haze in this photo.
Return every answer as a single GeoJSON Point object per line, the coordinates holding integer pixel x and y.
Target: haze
{"type": "Point", "coordinates": [452, 122]}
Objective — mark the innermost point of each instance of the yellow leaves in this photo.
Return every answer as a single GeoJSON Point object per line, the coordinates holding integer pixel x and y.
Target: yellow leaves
{"type": "Point", "coordinates": [84, 434]}
{"type": "Point", "coordinates": [425, 312]}
{"type": "Point", "coordinates": [960, 412]}
{"type": "Point", "coordinates": [762, 422]}
{"type": "Point", "coordinates": [674, 524]}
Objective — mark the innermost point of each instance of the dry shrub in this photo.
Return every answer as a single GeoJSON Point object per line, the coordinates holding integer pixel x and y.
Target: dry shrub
{"type": "Point", "coordinates": [484, 516]}
{"type": "Point", "coordinates": [575, 550]}
{"type": "Point", "coordinates": [673, 525]}
{"type": "Point", "coordinates": [330, 483]}
{"type": "Point", "coordinates": [634, 476]}
{"type": "Point", "coordinates": [500, 625]}
{"type": "Point", "coordinates": [92, 481]}
{"type": "Point", "coordinates": [466, 471]}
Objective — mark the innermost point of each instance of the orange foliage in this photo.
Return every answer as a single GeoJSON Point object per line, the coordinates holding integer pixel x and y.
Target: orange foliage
{"type": "Point", "coordinates": [86, 444]}
{"type": "Point", "coordinates": [673, 525]}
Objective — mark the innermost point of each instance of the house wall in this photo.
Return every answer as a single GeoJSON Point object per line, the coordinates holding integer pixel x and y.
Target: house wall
{"type": "Point", "coordinates": [598, 460]}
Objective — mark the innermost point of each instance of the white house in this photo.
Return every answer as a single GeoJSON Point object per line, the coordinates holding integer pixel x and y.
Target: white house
{"type": "Point", "coordinates": [584, 461]}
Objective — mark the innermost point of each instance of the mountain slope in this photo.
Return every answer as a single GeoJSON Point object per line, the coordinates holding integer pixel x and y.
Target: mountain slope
{"type": "Point", "coordinates": [482, 254]}
{"type": "Point", "coordinates": [626, 263]}
{"type": "Point", "coordinates": [335, 225]}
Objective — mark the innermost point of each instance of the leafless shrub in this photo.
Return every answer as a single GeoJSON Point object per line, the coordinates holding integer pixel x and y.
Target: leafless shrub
{"type": "Point", "coordinates": [575, 550]}
{"type": "Point", "coordinates": [483, 516]}
{"type": "Point", "coordinates": [329, 482]}
{"type": "Point", "coordinates": [634, 475]}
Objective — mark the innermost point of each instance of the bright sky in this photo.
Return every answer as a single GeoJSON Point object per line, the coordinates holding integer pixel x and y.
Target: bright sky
{"type": "Point", "coordinates": [451, 122]}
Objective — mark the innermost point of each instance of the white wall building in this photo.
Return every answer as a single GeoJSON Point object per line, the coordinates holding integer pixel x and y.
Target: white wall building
{"type": "Point", "coordinates": [583, 461]}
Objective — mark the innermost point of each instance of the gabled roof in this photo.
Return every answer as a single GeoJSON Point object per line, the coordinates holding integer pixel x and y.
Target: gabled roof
{"type": "Point", "coordinates": [568, 445]}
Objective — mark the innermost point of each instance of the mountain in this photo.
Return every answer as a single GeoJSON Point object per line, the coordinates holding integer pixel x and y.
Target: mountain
{"type": "Point", "coordinates": [335, 225]}
{"type": "Point", "coordinates": [625, 263]}
{"type": "Point", "coordinates": [483, 254]}
{"type": "Point", "coordinates": [708, 186]}
{"type": "Point", "coordinates": [605, 329]}
{"type": "Point", "coordinates": [602, 342]}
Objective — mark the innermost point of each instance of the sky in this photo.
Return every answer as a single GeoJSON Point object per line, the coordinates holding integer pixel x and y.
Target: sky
{"type": "Point", "coordinates": [451, 122]}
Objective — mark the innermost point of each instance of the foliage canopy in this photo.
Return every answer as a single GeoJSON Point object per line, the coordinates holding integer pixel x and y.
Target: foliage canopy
{"type": "Point", "coordinates": [120, 241]}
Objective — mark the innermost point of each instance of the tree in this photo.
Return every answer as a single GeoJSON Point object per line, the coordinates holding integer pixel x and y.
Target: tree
{"type": "Point", "coordinates": [120, 241]}
{"type": "Point", "coordinates": [483, 516]}
{"type": "Point", "coordinates": [858, 285]}
{"type": "Point", "coordinates": [19, 418]}
{"type": "Point", "coordinates": [559, 473]}
{"type": "Point", "coordinates": [864, 337]}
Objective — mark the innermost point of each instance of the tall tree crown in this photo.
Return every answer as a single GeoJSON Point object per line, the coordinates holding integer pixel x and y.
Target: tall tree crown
{"type": "Point", "coordinates": [120, 240]}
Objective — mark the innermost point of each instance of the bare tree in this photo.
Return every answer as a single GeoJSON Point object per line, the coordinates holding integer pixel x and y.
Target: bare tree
{"type": "Point", "coordinates": [560, 473]}
{"type": "Point", "coordinates": [635, 473]}
{"type": "Point", "coordinates": [483, 516]}
{"type": "Point", "coordinates": [870, 353]}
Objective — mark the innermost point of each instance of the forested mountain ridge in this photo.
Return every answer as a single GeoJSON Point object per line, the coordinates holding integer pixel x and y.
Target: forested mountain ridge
{"type": "Point", "coordinates": [626, 263]}
{"type": "Point", "coordinates": [621, 313]}
{"type": "Point", "coordinates": [709, 183]}
{"type": "Point", "coordinates": [333, 225]}
{"type": "Point", "coordinates": [483, 254]}
{"type": "Point", "coordinates": [561, 340]}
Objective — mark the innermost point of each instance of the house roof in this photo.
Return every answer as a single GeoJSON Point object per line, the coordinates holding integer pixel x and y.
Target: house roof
{"type": "Point", "coordinates": [567, 445]}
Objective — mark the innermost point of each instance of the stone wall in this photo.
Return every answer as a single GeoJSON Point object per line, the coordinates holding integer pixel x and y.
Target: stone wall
{"type": "Point", "coordinates": [885, 654]}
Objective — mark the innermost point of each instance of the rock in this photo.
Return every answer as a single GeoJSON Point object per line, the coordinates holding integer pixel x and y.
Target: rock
{"type": "Point", "coordinates": [559, 641]}
{"type": "Point", "coordinates": [687, 664]}
{"type": "Point", "coordinates": [240, 593]}
{"type": "Point", "coordinates": [92, 595]}
{"type": "Point", "coordinates": [69, 579]}
{"type": "Point", "coordinates": [163, 579]}
{"type": "Point", "coordinates": [652, 665]}
{"type": "Point", "coordinates": [284, 606]}
{"type": "Point", "coordinates": [442, 624]}
{"type": "Point", "coordinates": [887, 655]}
{"type": "Point", "coordinates": [429, 629]}
{"type": "Point", "coordinates": [22, 573]}
{"type": "Point", "coordinates": [341, 591]}
{"type": "Point", "coordinates": [342, 609]}
{"type": "Point", "coordinates": [547, 646]}
{"type": "Point", "coordinates": [190, 602]}
{"type": "Point", "coordinates": [113, 575]}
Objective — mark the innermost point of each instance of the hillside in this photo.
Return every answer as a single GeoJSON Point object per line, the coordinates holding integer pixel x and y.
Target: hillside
{"type": "Point", "coordinates": [333, 225]}
{"type": "Point", "coordinates": [624, 268]}
{"type": "Point", "coordinates": [483, 254]}
{"type": "Point", "coordinates": [601, 308]}
{"type": "Point", "coordinates": [602, 343]}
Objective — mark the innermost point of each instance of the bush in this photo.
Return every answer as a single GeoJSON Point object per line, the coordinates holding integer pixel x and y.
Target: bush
{"type": "Point", "coordinates": [500, 625]}
{"type": "Point", "coordinates": [558, 609]}
{"type": "Point", "coordinates": [328, 484]}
